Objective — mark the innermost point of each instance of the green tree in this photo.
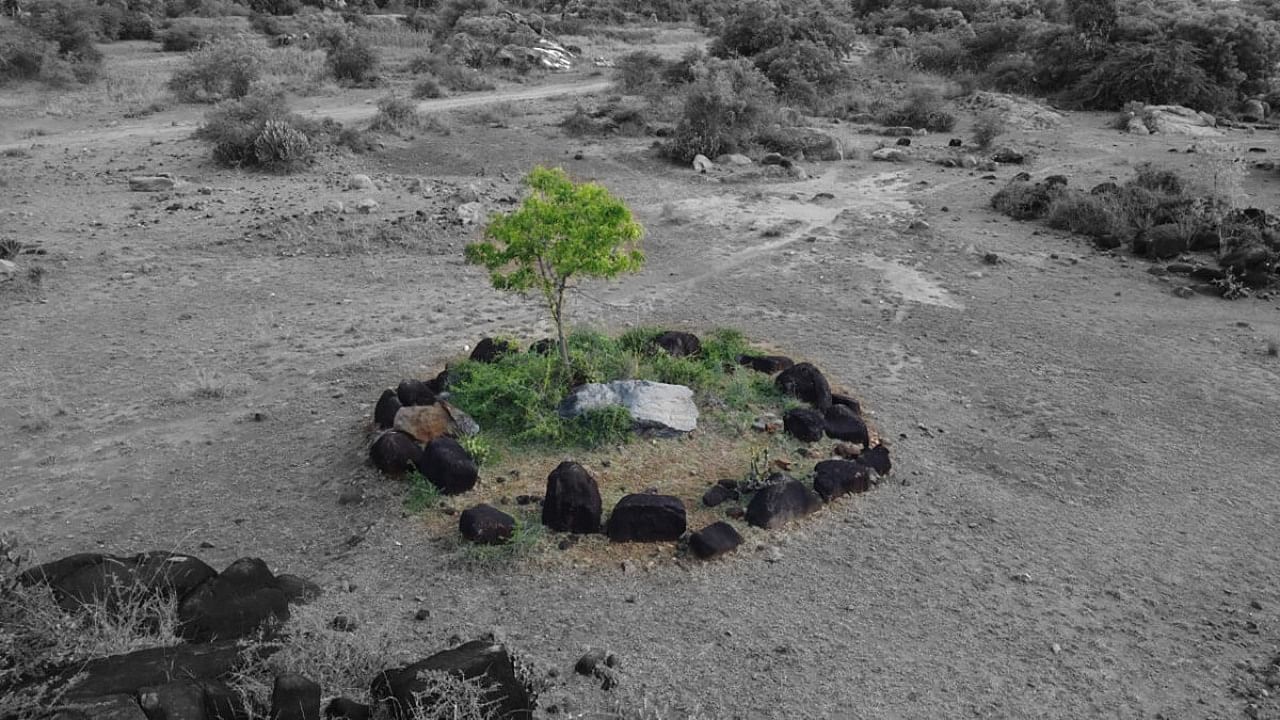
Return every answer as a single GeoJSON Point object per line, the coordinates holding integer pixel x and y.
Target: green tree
{"type": "Point", "coordinates": [563, 230]}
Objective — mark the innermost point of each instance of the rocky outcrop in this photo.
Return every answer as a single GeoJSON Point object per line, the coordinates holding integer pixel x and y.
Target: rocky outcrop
{"type": "Point", "coordinates": [654, 407]}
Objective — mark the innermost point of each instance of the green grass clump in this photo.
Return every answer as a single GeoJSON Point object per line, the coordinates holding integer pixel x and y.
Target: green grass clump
{"type": "Point", "coordinates": [423, 493]}
{"type": "Point", "coordinates": [515, 398]}
{"type": "Point", "coordinates": [525, 541]}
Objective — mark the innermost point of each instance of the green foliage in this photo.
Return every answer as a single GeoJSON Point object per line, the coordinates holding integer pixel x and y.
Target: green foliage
{"type": "Point", "coordinates": [223, 70]}
{"type": "Point", "coordinates": [423, 493]}
{"type": "Point", "coordinates": [526, 540]}
{"type": "Point", "coordinates": [602, 426]}
{"type": "Point", "coordinates": [725, 106]}
{"type": "Point", "coordinates": [258, 131]}
{"type": "Point", "coordinates": [563, 231]}
{"type": "Point", "coordinates": [480, 449]}
{"type": "Point", "coordinates": [1160, 73]}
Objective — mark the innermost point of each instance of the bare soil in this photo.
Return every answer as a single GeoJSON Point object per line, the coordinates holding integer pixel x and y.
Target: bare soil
{"type": "Point", "coordinates": [1083, 516]}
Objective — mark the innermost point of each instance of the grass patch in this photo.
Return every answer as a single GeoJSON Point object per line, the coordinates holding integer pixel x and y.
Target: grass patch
{"type": "Point", "coordinates": [526, 541]}
{"type": "Point", "coordinates": [423, 493]}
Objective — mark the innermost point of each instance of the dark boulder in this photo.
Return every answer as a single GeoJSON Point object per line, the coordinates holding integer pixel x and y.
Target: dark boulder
{"type": "Point", "coordinates": [1164, 241]}
{"type": "Point", "coordinates": [647, 518]}
{"type": "Point", "coordinates": [833, 478]}
{"type": "Point", "coordinates": [448, 466]}
{"type": "Point", "coordinates": [807, 383]}
{"type": "Point", "coordinates": [486, 525]}
{"type": "Point", "coordinates": [1008, 156]}
{"type": "Point", "coordinates": [768, 364]}
{"type": "Point", "coordinates": [714, 540]}
{"type": "Point", "coordinates": [877, 458]}
{"type": "Point", "coordinates": [487, 663]}
{"type": "Point", "coordinates": [384, 412]}
{"type": "Point", "coordinates": [347, 709]}
{"type": "Point", "coordinates": [440, 383]}
{"type": "Point", "coordinates": [845, 400]}
{"type": "Point", "coordinates": [490, 350]}
{"type": "Point", "coordinates": [394, 452]}
{"type": "Point", "coordinates": [298, 590]}
{"type": "Point", "coordinates": [545, 346]}
{"type": "Point", "coordinates": [107, 707]}
{"type": "Point", "coordinates": [1105, 188]}
{"type": "Point", "coordinates": [572, 501]}
{"type": "Point", "coordinates": [842, 423]}
{"type": "Point", "coordinates": [89, 578]}
{"type": "Point", "coordinates": [124, 674]}
{"type": "Point", "coordinates": [234, 604]}
{"type": "Point", "coordinates": [221, 702]}
{"type": "Point", "coordinates": [804, 424]}
{"type": "Point", "coordinates": [718, 494]}
{"type": "Point", "coordinates": [781, 502]}
{"type": "Point", "coordinates": [904, 142]}
{"type": "Point", "coordinates": [414, 392]}
{"type": "Point", "coordinates": [679, 344]}
{"type": "Point", "coordinates": [955, 143]}
{"type": "Point", "coordinates": [295, 697]}
{"type": "Point", "coordinates": [177, 700]}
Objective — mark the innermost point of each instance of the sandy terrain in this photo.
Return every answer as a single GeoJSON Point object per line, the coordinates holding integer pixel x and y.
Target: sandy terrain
{"type": "Point", "coordinates": [1083, 520]}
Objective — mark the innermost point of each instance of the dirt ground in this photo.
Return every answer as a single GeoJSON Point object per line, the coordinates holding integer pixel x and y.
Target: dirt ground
{"type": "Point", "coordinates": [1083, 520]}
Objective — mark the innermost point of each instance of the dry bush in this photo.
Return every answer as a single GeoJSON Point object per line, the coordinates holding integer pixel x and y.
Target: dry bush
{"type": "Point", "coordinates": [1023, 200]}
{"type": "Point", "coordinates": [987, 127]}
{"type": "Point", "coordinates": [427, 88]}
{"type": "Point", "coordinates": [1092, 215]}
{"type": "Point", "coordinates": [223, 70]}
{"type": "Point", "coordinates": [395, 114]}
{"type": "Point", "coordinates": [259, 131]}
{"type": "Point", "coordinates": [923, 107]}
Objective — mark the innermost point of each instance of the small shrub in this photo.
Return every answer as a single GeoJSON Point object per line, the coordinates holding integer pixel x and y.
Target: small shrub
{"type": "Point", "coordinates": [257, 130]}
{"type": "Point", "coordinates": [394, 115]}
{"type": "Point", "coordinates": [922, 108]}
{"type": "Point", "coordinates": [1090, 215]}
{"type": "Point", "coordinates": [185, 37]}
{"type": "Point", "coordinates": [426, 88]}
{"type": "Point", "coordinates": [602, 426]}
{"type": "Point", "coordinates": [1159, 179]}
{"type": "Point", "coordinates": [1022, 200]}
{"type": "Point", "coordinates": [224, 70]}
{"type": "Point", "coordinates": [638, 71]}
{"type": "Point", "coordinates": [423, 494]}
{"type": "Point", "coordinates": [988, 126]}
{"type": "Point", "coordinates": [354, 62]}
{"type": "Point", "coordinates": [724, 108]}
{"type": "Point", "coordinates": [578, 123]}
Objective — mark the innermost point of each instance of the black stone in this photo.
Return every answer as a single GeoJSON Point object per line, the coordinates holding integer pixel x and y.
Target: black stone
{"type": "Point", "coordinates": [877, 458]}
{"type": "Point", "coordinates": [572, 502]}
{"type": "Point", "coordinates": [295, 697]}
{"type": "Point", "coordinates": [955, 142]}
{"type": "Point", "coordinates": [904, 142]}
{"type": "Point", "coordinates": [487, 662]}
{"type": "Point", "coordinates": [177, 700]}
{"type": "Point", "coordinates": [234, 604]}
{"type": "Point", "coordinates": [1053, 181]}
{"type": "Point", "coordinates": [108, 707]}
{"type": "Point", "coordinates": [1105, 188]}
{"type": "Point", "coordinates": [845, 400]}
{"type": "Point", "coordinates": [394, 452]}
{"type": "Point", "coordinates": [89, 578]}
{"type": "Point", "coordinates": [718, 494]}
{"type": "Point", "coordinates": [448, 466]}
{"type": "Point", "coordinates": [384, 413]}
{"type": "Point", "coordinates": [807, 383]}
{"type": "Point", "coordinates": [804, 424]}
{"type": "Point", "coordinates": [440, 382]}
{"type": "Point", "coordinates": [486, 525]}
{"type": "Point", "coordinates": [490, 350]}
{"type": "Point", "coordinates": [221, 702]}
{"type": "Point", "coordinates": [679, 344]}
{"type": "Point", "coordinates": [842, 423]}
{"type": "Point", "coordinates": [126, 673]}
{"type": "Point", "coordinates": [298, 590]}
{"type": "Point", "coordinates": [414, 392]}
{"type": "Point", "coordinates": [647, 518]}
{"type": "Point", "coordinates": [714, 540]}
{"type": "Point", "coordinates": [780, 503]}
{"type": "Point", "coordinates": [768, 364]}
{"type": "Point", "coordinates": [545, 346]}
{"type": "Point", "coordinates": [833, 478]}
{"type": "Point", "coordinates": [347, 709]}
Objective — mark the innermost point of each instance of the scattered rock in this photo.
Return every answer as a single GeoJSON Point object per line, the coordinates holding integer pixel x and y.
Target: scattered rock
{"type": "Point", "coordinates": [733, 159]}
{"type": "Point", "coordinates": [679, 344]}
{"type": "Point", "coordinates": [804, 424]}
{"type": "Point", "coordinates": [848, 451]}
{"type": "Point", "coordinates": [428, 422]}
{"type": "Point", "coordinates": [295, 697]}
{"type": "Point", "coordinates": [714, 540]}
{"type": "Point", "coordinates": [833, 478]}
{"type": "Point", "coordinates": [768, 364]}
{"type": "Point", "coordinates": [889, 154]}
{"type": "Point", "coordinates": [347, 709]}
{"type": "Point", "coordinates": [179, 699]}
{"type": "Point", "coordinates": [486, 525]}
{"type": "Point", "coordinates": [845, 400]}
{"type": "Point", "coordinates": [360, 182]}
{"type": "Point", "coordinates": [802, 142]}
{"type": "Point", "coordinates": [647, 518]}
{"type": "Point", "coordinates": [415, 392]}
{"type": "Point", "coordinates": [572, 502]}
{"type": "Point", "coordinates": [1178, 120]}
{"type": "Point", "coordinates": [151, 183]}
{"type": "Point", "coordinates": [1183, 291]}
{"type": "Point", "coordinates": [807, 383]}
{"type": "Point", "coordinates": [489, 663]}
{"type": "Point", "coordinates": [90, 578]}
{"type": "Point", "coordinates": [774, 158]}
{"type": "Point", "coordinates": [490, 350]}
{"type": "Point", "coordinates": [877, 458]}
{"type": "Point", "coordinates": [842, 423]}
{"type": "Point", "coordinates": [955, 143]}
{"type": "Point", "coordinates": [366, 205]}
{"type": "Point", "coordinates": [1253, 111]}
{"type": "Point", "coordinates": [1008, 156]}
{"type": "Point", "coordinates": [657, 407]}
{"type": "Point", "coordinates": [394, 452]}
{"type": "Point", "coordinates": [717, 495]}
{"type": "Point", "coordinates": [448, 466]}
{"type": "Point", "coordinates": [701, 164]}
{"type": "Point", "coordinates": [234, 604]}
{"type": "Point", "coordinates": [903, 142]}
{"type": "Point", "coordinates": [471, 213]}
{"type": "Point", "coordinates": [384, 412]}
{"type": "Point", "coordinates": [781, 502]}
{"type": "Point", "coordinates": [767, 423]}
{"type": "Point", "coordinates": [298, 590]}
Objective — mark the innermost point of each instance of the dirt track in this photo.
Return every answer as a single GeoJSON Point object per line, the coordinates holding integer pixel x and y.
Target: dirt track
{"type": "Point", "coordinates": [1082, 521]}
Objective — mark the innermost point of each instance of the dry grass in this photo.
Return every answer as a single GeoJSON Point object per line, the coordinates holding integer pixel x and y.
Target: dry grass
{"type": "Point", "coordinates": [330, 233]}
{"type": "Point", "coordinates": [206, 384]}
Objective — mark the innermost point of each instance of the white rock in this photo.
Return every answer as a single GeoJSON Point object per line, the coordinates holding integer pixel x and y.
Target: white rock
{"type": "Point", "coordinates": [361, 182]}
{"type": "Point", "coordinates": [701, 163]}
{"type": "Point", "coordinates": [889, 154]}
{"type": "Point", "coordinates": [653, 406]}
{"type": "Point", "coordinates": [366, 205]}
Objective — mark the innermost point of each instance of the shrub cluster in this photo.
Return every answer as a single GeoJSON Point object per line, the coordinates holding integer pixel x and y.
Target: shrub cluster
{"type": "Point", "coordinates": [260, 131]}
{"type": "Point", "coordinates": [224, 70]}
{"type": "Point", "coordinates": [55, 44]}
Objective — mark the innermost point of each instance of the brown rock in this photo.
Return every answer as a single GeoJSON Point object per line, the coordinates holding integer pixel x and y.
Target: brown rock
{"type": "Point", "coordinates": [428, 422]}
{"type": "Point", "coordinates": [846, 450]}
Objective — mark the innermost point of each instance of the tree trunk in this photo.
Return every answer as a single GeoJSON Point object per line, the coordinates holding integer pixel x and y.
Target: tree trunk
{"type": "Point", "coordinates": [557, 314]}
